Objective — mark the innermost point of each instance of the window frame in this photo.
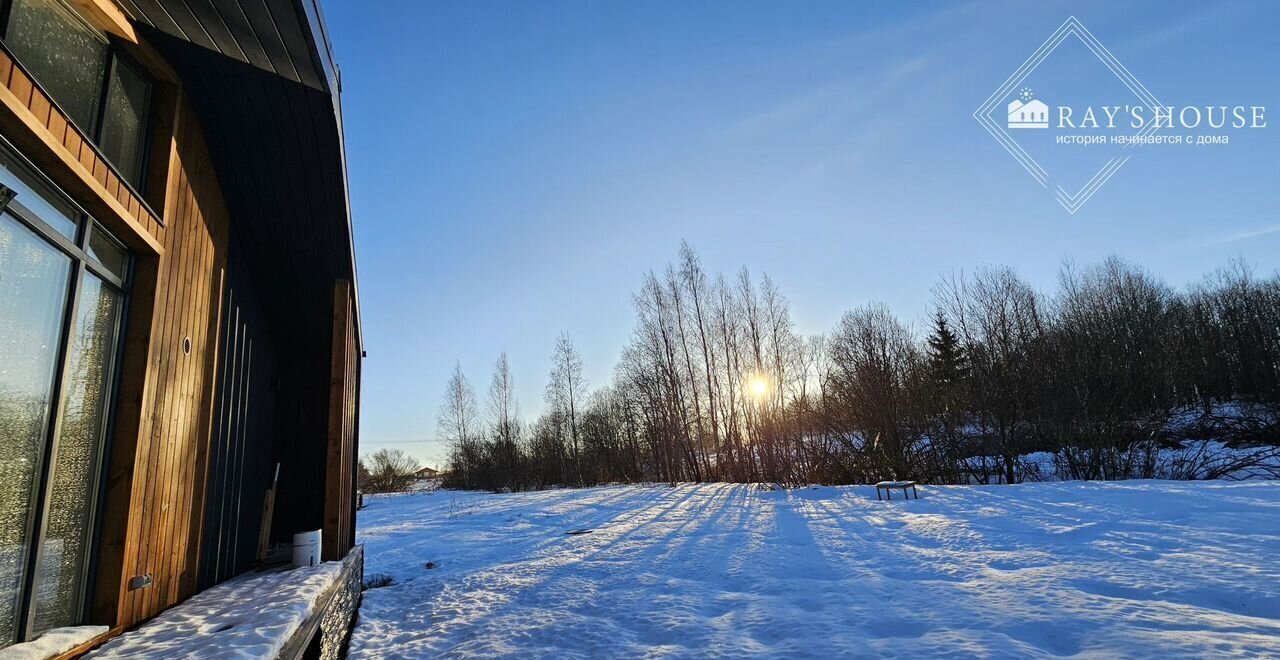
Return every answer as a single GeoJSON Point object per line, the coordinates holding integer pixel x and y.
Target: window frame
{"type": "Point", "coordinates": [116, 56]}
{"type": "Point", "coordinates": [94, 133]}
{"type": "Point", "coordinates": [83, 265]}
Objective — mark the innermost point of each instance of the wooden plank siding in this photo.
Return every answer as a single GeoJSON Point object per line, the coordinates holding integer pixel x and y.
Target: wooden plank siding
{"type": "Point", "coordinates": [166, 500]}
{"type": "Point", "coordinates": [283, 179]}
{"type": "Point", "coordinates": [344, 402]}
{"type": "Point", "coordinates": [154, 491]}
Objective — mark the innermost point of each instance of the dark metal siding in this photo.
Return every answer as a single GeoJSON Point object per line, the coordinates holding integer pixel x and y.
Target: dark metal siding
{"type": "Point", "coordinates": [241, 449]}
{"type": "Point", "coordinates": [272, 35]}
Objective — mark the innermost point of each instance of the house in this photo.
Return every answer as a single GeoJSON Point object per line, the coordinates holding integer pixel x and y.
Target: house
{"type": "Point", "coordinates": [426, 479]}
{"type": "Point", "coordinates": [179, 324]}
{"type": "Point", "coordinates": [1032, 114]}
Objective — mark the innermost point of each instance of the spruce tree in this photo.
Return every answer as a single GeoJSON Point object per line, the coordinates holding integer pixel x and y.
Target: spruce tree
{"type": "Point", "coordinates": [948, 369]}
{"type": "Point", "coordinates": [947, 361]}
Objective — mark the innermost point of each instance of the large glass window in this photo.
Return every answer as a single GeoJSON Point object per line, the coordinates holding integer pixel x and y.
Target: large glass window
{"type": "Point", "coordinates": [105, 95]}
{"type": "Point", "coordinates": [33, 289]}
{"type": "Point", "coordinates": [61, 305]}
{"type": "Point", "coordinates": [63, 556]}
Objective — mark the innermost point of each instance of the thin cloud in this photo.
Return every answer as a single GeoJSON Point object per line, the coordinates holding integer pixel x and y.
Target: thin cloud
{"type": "Point", "coordinates": [821, 105]}
{"type": "Point", "coordinates": [1243, 235]}
{"type": "Point", "coordinates": [832, 101]}
{"type": "Point", "coordinates": [1215, 14]}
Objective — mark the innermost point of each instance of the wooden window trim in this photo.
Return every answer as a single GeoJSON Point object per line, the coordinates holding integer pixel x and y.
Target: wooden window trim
{"type": "Point", "coordinates": [84, 174]}
{"type": "Point", "coordinates": [159, 131]}
{"type": "Point", "coordinates": [15, 115]}
{"type": "Point", "coordinates": [106, 16]}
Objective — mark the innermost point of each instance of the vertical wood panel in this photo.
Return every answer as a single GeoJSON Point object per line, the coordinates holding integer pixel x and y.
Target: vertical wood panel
{"type": "Point", "coordinates": [339, 505]}
{"type": "Point", "coordinates": [169, 466]}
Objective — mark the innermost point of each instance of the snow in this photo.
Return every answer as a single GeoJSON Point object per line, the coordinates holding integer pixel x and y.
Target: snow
{"type": "Point", "coordinates": [52, 643]}
{"type": "Point", "coordinates": [251, 616]}
{"type": "Point", "coordinates": [1134, 568]}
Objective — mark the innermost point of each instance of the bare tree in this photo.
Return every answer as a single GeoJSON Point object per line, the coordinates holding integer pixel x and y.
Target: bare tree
{"type": "Point", "coordinates": [875, 358]}
{"type": "Point", "coordinates": [695, 285]}
{"type": "Point", "coordinates": [504, 422]}
{"type": "Point", "coordinates": [389, 471]}
{"type": "Point", "coordinates": [565, 394]}
{"type": "Point", "coordinates": [1114, 373]}
{"type": "Point", "coordinates": [459, 426]}
{"type": "Point", "coordinates": [504, 412]}
{"type": "Point", "coordinates": [1000, 319]}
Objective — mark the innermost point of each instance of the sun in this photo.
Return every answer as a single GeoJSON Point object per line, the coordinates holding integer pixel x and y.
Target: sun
{"type": "Point", "coordinates": [758, 385]}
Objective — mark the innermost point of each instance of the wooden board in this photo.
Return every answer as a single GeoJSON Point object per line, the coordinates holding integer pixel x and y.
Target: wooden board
{"type": "Point", "coordinates": [46, 136]}
{"type": "Point", "coordinates": [273, 144]}
{"type": "Point", "coordinates": [176, 395]}
{"type": "Point", "coordinates": [344, 395]}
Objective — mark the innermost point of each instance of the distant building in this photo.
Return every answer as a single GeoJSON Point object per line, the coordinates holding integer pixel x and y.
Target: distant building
{"type": "Point", "coordinates": [426, 473]}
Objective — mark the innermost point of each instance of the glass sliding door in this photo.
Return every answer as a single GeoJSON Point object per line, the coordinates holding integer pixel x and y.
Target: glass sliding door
{"type": "Point", "coordinates": [33, 292]}
{"type": "Point", "coordinates": [62, 283]}
{"type": "Point", "coordinates": [59, 576]}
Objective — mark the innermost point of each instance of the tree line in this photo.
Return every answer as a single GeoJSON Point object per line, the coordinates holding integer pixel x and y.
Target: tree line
{"type": "Point", "coordinates": [1108, 376]}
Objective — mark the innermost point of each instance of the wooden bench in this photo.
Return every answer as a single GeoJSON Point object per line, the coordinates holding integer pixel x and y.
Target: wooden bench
{"type": "Point", "coordinates": [889, 486]}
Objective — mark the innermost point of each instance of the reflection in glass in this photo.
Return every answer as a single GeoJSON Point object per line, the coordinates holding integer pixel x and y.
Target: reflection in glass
{"type": "Point", "coordinates": [106, 251]}
{"type": "Point", "coordinates": [63, 54]}
{"type": "Point", "coordinates": [33, 293]}
{"type": "Point", "coordinates": [59, 576]}
{"type": "Point", "coordinates": [124, 121]}
{"type": "Point", "coordinates": [60, 216]}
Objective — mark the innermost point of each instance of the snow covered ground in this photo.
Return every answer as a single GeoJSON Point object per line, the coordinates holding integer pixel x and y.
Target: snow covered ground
{"type": "Point", "coordinates": [1133, 569]}
{"type": "Point", "coordinates": [251, 616]}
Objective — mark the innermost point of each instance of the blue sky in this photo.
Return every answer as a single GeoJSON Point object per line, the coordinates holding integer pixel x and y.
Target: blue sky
{"type": "Point", "coordinates": [516, 167]}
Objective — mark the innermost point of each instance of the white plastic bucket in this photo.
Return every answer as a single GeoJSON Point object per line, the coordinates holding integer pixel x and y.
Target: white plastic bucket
{"type": "Point", "coordinates": [306, 548]}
